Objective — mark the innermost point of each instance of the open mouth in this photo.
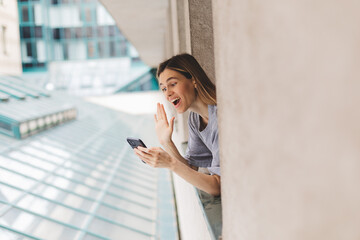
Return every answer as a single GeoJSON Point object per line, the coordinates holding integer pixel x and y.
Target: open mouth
{"type": "Point", "coordinates": [176, 102]}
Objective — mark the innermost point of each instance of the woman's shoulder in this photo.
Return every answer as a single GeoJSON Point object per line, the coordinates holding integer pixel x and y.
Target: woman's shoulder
{"type": "Point", "coordinates": [193, 117]}
{"type": "Point", "coordinates": [212, 111]}
{"type": "Point", "coordinates": [212, 108]}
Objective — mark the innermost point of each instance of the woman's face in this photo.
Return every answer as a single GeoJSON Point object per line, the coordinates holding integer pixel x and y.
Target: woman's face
{"type": "Point", "coordinates": [177, 89]}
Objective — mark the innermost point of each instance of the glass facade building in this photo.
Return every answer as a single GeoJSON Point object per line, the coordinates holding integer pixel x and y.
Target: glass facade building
{"type": "Point", "coordinates": [57, 30]}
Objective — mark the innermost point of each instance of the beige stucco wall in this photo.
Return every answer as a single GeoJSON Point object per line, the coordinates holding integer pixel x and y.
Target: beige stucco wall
{"type": "Point", "coordinates": [10, 61]}
{"type": "Point", "coordinates": [288, 106]}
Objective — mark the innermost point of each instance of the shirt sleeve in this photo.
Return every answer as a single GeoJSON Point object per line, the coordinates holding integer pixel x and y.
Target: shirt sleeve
{"type": "Point", "coordinates": [197, 154]}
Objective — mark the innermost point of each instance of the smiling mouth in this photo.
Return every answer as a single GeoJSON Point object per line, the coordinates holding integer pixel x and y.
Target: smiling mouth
{"type": "Point", "coordinates": [175, 101]}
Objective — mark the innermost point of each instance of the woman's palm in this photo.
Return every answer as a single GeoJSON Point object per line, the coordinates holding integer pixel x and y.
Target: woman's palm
{"type": "Point", "coordinates": [164, 129]}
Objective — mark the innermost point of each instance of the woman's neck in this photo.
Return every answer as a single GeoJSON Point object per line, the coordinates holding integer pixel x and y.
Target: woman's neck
{"type": "Point", "coordinates": [201, 108]}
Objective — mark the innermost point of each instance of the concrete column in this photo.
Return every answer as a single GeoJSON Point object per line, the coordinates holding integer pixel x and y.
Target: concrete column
{"type": "Point", "coordinates": [172, 33]}
{"type": "Point", "coordinates": [288, 106]}
{"type": "Point", "coordinates": [201, 29]}
{"type": "Point", "coordinates": [174, 26]}
{"type": "Point", "coordinates": [169, 44]}
{"type": "Point", "coordinates": [183, 26]}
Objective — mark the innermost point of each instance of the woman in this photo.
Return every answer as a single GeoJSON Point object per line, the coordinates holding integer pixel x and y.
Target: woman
{"type": "Point", "coordinates": [186, 86]}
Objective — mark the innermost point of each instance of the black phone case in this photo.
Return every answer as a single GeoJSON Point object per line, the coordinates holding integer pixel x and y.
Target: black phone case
{"type": "Point", "coordinates": [135, 142]}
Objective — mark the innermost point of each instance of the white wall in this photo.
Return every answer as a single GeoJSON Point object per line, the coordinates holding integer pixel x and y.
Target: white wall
{"type": "Point", "coordinates": [65, 16]}
{"type": "Point", "coordinates": [190, 211]}
{"type": "Point", "coordinates": [10, 57]}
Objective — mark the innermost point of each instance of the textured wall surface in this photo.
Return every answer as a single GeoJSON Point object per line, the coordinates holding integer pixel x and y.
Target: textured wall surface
{"type": "Point", "coordinates": [288, 85]}
{"type": "Point", "coordinates": [201, 29]}
{"type": "Point", "coordinates": [183, 26]}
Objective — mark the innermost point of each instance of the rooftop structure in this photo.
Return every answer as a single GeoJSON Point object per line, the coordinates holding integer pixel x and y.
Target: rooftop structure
{"type": "Point", "coordinates": [26, 110]}
{"type": "Point", "coordinates": [81, 180]}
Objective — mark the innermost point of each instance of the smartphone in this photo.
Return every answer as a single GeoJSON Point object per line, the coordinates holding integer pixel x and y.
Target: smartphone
{"type": "Point", "coordinates": [135, 142]}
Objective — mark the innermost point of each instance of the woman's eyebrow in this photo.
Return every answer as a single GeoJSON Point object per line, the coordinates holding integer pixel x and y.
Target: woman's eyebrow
{"type": "Point", "coordinates": [168, 80]}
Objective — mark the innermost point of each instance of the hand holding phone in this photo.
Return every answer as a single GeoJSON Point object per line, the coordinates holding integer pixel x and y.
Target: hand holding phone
{"type": "Point", "coordinates": [135, 142]}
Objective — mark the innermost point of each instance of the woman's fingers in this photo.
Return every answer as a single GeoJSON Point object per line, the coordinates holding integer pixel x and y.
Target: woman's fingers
{"type": "Point", "coordinates": [155, 118]}
{"type": "Point", "coordinates": [172, 123]}
{"type": "Point", "coordinates": [155, 157]}
{"type": "Point", "coordinates": [161, 114]}
{"type": "Point", "coordinates": [162, 109]}
{"type": "Point", "coordinates": [146, 157]}
{"type": "Point", "coordinates": [142, 154]}
{"type": "Point", "coordinates": [158, 111]}
{"type": "Point", "coordinates": [146, 150]}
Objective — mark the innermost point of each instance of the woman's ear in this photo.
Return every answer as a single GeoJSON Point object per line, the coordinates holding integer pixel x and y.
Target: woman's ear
{"type": "Point", "coordinates": [194, 84]}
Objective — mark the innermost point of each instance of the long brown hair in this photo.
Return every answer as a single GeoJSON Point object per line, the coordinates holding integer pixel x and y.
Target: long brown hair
{"type": "Point", "coordinates": [187, 65]}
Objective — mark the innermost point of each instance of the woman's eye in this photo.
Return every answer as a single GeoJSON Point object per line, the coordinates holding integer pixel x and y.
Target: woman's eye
{"type": "Point", "coordinates": [164, 89]}
{"type": "Point", "coordinates": [173, 84]}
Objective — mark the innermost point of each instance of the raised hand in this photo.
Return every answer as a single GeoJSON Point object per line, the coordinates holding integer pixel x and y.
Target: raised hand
{"type": "Point", "coordinates": [163, 128]}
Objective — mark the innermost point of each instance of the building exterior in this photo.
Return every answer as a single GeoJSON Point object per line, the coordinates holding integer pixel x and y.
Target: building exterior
{"type": "Point", "coordinates": [287, 90]}
{"type": "Point", "coordinates": [68, 30]}
{"type": "Point", "coordinates": [77, 47]}
{"type": "Point", "coordinates": [287, 77]}
{"type": "Point", "coordinates": [10, 59]}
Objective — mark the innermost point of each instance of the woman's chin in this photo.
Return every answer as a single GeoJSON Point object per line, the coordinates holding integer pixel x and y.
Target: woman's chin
{"type": "Point", "coordinates": [179, 110]}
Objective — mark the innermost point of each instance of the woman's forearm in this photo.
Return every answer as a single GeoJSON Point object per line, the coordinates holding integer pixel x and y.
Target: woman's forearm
{"type": "Point", "coordinates": [174, 152]}
{"type": "Point", "coordinates": [158, 157]}
{"type": "Point", "coordinates": [207, 183]}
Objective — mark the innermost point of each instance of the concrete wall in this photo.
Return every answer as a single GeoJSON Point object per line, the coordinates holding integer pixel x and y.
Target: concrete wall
{"type": "Point", "coordinates": [288, 106]}
{"type": "Point", "coordinates": [10, 58]}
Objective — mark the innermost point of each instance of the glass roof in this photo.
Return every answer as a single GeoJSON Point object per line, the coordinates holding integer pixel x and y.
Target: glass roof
{"type": "Point", "coordinates": [25, 110]}
{"type": "Point", "coordinates": [81, 180]}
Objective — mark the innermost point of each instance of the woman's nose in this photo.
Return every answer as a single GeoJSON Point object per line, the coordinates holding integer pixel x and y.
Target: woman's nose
{"type": "Point", "coordinates": [169, 93]}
